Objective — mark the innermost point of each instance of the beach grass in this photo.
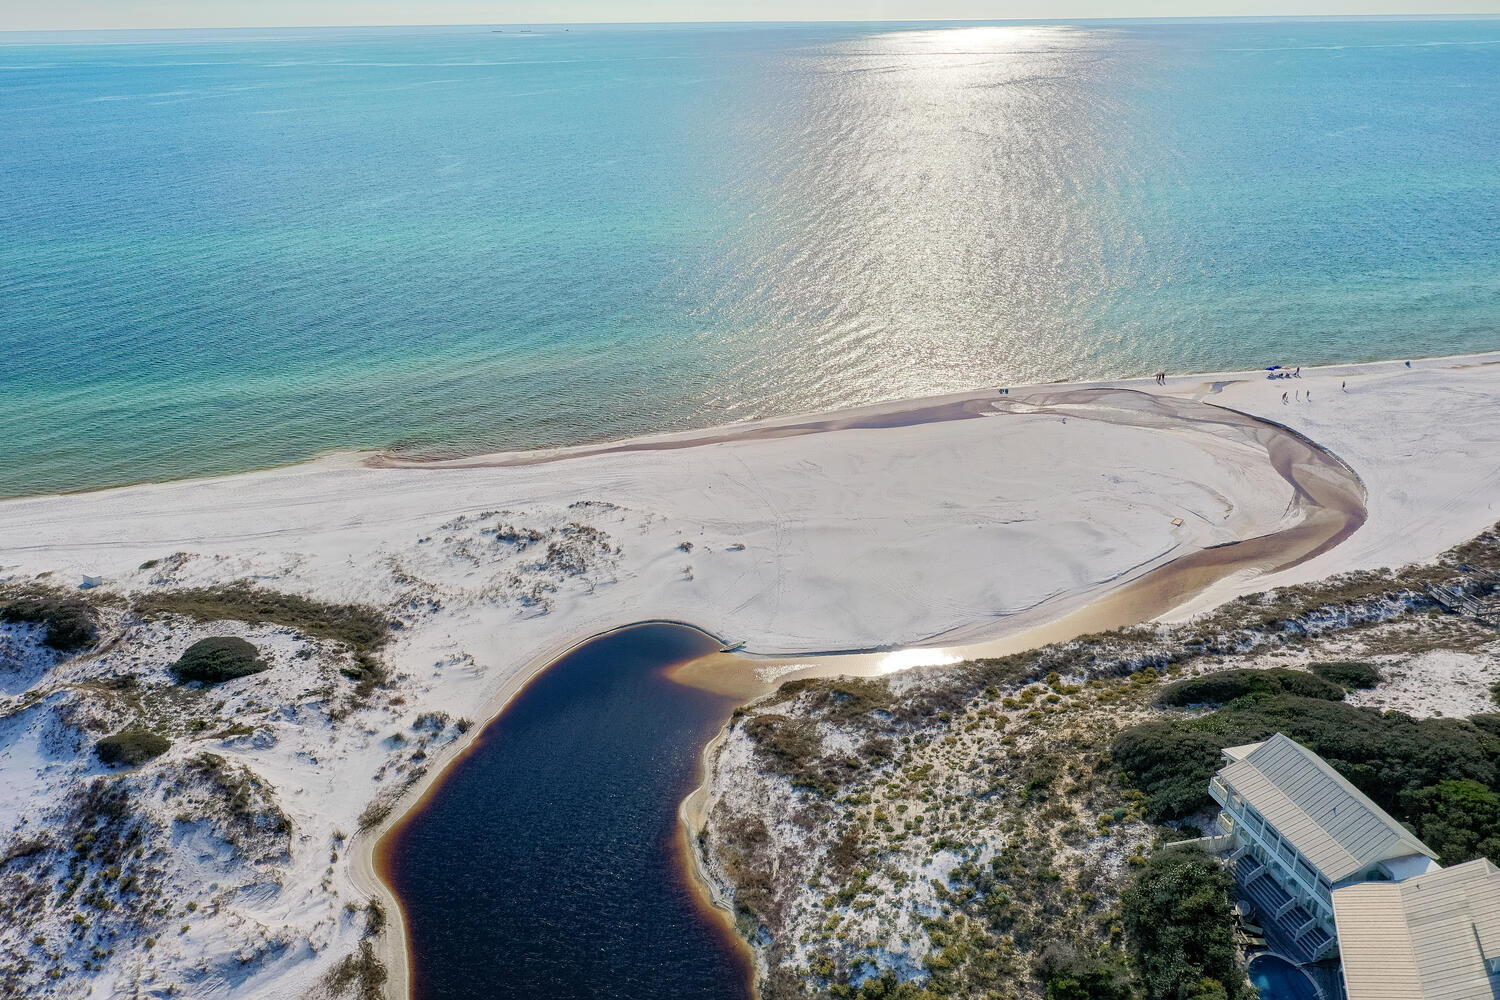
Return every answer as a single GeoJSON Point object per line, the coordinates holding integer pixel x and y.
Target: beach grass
{"type": "Point", "coordinates": [360, 627]}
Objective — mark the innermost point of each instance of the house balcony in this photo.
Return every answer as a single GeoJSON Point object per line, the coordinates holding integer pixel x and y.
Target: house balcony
{"type": "Point", "coordinates": [1289, 926]}
{"type": "Point", "coordinates": [1218, 791]}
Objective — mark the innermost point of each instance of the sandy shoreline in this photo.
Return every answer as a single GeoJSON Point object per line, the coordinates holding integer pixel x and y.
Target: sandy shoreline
{"type": "Point", "coordinates": [888, 413]}
{"type": "Point", "coordinates": [784, 425]}
{"type": "Point", "coordinates": [970, 524]}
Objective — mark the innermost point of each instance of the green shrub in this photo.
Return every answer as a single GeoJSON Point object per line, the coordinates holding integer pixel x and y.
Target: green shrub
{"type": "Point", "coordinates": [1460, 820]}
{"type": "Point", "coordinates": [1305, 685]}
{"type": "Point", "coordinates": [1224, 686]}
{"type": "Point", "coordinates": [1217, 688]}
{"type": "Point", "coordinates": [218, 659]}
{"type": "Point", "coordinates": [1180, 927]}
{"type": "Point", "coordinates": [1171, 762]}
{"type": "Point", "coordinates": [71, 621]}
{"type": "Point", "coordinates": [1071, 974]}
{"type": "Point", "coordinates": [131, 747]}
{"type": "Point", "coordinates": [1348, 675]}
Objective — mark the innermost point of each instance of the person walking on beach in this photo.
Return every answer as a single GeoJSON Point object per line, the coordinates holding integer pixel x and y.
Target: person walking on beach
{"type": "Point", "coordinates": [1283, 399]}
{"type": "Point", "coordinates": [1344, 386]}
{"type": "Point", "coordinates": [1298, 372]}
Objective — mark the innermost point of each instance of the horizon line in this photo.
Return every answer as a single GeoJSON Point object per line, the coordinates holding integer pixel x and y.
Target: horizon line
{"type": "Point", "coordinates": [1339, 16]}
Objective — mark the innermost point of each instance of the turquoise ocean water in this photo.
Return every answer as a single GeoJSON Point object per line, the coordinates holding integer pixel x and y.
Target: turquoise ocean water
{"type": "Point", "coordinates": [221, 251]}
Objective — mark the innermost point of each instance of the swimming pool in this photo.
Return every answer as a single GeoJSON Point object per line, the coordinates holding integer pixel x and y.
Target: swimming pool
{"type": "Point", "coordinates": [1278, 979]}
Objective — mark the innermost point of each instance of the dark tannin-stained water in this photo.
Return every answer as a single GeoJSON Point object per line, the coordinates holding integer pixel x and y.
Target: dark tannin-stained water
{"type": "Point", "coordinates": [545, 863]}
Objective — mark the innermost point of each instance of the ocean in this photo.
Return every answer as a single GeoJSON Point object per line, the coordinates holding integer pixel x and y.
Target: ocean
{"type": "Point", "coordinates": [228, 250]}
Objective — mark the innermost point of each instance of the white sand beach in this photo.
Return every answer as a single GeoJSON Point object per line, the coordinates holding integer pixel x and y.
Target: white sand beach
{"type": "Point", "coordinates": [935, 522]}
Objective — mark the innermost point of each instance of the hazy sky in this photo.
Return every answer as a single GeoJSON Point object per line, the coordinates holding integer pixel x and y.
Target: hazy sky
{"type": "Point", "coordinates": [25, 14]}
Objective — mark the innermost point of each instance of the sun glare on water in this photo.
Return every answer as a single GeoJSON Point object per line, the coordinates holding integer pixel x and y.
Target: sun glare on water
{"type": "Point", "coordinates": [905, 659]}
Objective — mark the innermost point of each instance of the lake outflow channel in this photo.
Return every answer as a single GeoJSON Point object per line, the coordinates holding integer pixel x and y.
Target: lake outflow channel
{"type": "Point", "coordinates": [546, 862]}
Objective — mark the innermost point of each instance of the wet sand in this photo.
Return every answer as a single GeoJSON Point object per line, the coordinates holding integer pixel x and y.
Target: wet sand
{"type": "Point", "coordinates": [1328, 499]}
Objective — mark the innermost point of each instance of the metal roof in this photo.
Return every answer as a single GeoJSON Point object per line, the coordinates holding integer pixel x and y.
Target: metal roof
{"type": "Point", "coordinates": [1241, 752]}
{"type": "Point", "coordinates": [1427, 938]}
{"type": "Point", "coordinates": [1329, 821]}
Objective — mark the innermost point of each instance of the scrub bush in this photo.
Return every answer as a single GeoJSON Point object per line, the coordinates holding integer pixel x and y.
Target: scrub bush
{"type": "Point", "coordinates": [1348, 675]}
{"type": "Point", "coordinates": [71, 621]}
{"type": "Point", "coordinates": [131, 747]}
{"type": "Point", "coordinates": [218, 659]}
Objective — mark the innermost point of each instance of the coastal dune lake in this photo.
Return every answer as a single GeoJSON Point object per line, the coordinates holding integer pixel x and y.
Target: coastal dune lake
{"type": "Point", "coordinates": [546, 863]}
{"type": "Point", "coordinates": [228, 250]}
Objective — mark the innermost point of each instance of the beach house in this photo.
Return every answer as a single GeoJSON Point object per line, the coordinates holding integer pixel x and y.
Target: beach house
{"type": "Point", "coordinates": [1432, 937]}
{"type": "Point", "coordinates": [1329, 873]}
{"type": "Point", "coordinates": [1298, 832]}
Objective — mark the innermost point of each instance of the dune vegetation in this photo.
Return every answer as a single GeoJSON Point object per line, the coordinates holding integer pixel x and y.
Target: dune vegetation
{"type": "Point", "coordinates": [992, 828]}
